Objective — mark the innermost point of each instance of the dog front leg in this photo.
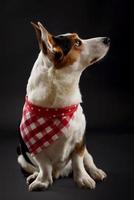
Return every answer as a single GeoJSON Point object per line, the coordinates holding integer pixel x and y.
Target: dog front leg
{"type": "Point", "coordinates": [81, 177]}
{"type": "Point", "coordinates": [95, 172]}
{"type": "Point", "coordinates": [44, 177]}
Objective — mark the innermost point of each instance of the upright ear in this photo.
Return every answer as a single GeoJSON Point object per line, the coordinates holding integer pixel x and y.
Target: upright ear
{"type": "Point", "coordinates": [47, 43]}
{"type": "Point", "coordinates": [43, 36]}
{"type": "Point", "coordinates": [37, 31]}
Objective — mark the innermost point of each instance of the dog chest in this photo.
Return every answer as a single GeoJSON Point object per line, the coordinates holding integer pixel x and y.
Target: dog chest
{"type": "Point", "coordinates": [60, 151]}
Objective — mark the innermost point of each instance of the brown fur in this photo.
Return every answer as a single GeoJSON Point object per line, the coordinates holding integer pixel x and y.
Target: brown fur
{"type": "Point", "coordinates": [42, 44]}
{"type": "Point", "coordinates": [80, 147]}
{"type": "Point", "coordinates": [62, 61]}
{"type": "Point", "coordinates": [72, 56]}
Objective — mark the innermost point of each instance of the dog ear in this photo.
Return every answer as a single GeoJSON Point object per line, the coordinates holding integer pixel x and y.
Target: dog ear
{"type": "Point", "coordinates": [43, 36]}
{"type": "Point", "coordinates": [46, 37]}
{"type": "Point", "coordinates": [38, 32]}
{"type": "Point", "coordinates": [46, 42]}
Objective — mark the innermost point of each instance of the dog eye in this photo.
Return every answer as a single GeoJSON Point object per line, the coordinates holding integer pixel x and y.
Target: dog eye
{"type": "Point", "coordinates": [78, 42]}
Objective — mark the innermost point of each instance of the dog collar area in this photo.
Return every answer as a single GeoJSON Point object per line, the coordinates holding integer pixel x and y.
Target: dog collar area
{"type": "Point", "coordinates": [40, 127]}
{"type": "Point", "coordinates": [50, 112]}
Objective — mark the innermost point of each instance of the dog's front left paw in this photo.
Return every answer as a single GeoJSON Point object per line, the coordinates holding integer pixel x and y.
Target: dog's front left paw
{"type": "Point", "coordinates": [31, 178]}
{"type": "Point", "coordinates": [84, 180]}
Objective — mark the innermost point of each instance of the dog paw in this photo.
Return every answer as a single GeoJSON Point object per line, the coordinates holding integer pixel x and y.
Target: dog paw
{"type": "Point", "coordinates": [31, 178]}
{"type": "Point", "coordinates": [84, 180]}
{"type": "Point", "coordinates": [98, 174]}
{"type": "Point", "coordinates": [38, 185]}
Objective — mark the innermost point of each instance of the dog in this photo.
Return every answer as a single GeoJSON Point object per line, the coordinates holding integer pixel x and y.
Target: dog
{"type": "Point", "coordinates": [53, 124]}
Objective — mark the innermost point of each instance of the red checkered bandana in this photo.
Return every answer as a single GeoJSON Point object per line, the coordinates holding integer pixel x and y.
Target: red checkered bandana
{"type": "Point", "coordinates": [40, 127]}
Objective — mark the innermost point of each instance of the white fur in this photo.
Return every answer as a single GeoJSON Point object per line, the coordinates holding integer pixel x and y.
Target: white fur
{"type": "Point", "coordinates": [51, 87]}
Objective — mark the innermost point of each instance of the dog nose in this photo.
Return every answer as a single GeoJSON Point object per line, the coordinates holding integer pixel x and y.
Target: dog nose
{"type": "Point", "coordinates": [106, 40]}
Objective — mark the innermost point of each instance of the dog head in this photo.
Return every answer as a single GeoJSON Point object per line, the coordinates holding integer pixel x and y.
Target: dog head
{"type": "Point", "coordinates": [69, 50]}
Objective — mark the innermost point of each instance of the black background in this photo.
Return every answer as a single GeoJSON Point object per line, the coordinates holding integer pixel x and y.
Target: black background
{"type": "Point", "coordinates": [107, 86]}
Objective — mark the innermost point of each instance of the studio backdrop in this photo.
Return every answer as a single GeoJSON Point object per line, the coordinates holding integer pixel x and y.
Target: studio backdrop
{"type": "Point", "coordinates": [107, 86]}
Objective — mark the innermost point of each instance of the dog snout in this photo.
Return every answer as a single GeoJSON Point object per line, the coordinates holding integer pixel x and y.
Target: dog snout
{"type": "Point", "coordinates": [106, 41]}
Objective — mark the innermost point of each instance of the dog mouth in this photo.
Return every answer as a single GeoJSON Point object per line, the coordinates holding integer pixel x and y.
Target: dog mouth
{"type": "Point", "coordinates": [99, 57]}
{"type": "Point", "coordinates": [94, 60]}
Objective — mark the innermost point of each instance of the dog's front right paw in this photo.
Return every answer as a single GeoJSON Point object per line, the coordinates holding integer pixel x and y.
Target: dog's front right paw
{"type": "Point", "coordinates": [84, 180]}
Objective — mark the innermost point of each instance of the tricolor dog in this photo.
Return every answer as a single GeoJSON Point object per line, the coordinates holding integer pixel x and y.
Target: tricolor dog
{"type": "Point", "coordinates": [53, 123]}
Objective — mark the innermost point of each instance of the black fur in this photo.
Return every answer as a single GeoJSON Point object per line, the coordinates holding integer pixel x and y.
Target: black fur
{"type": "Point", "coordinates": [64, 42]}
{"type": "Point", "coordinates": [58, 56]}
